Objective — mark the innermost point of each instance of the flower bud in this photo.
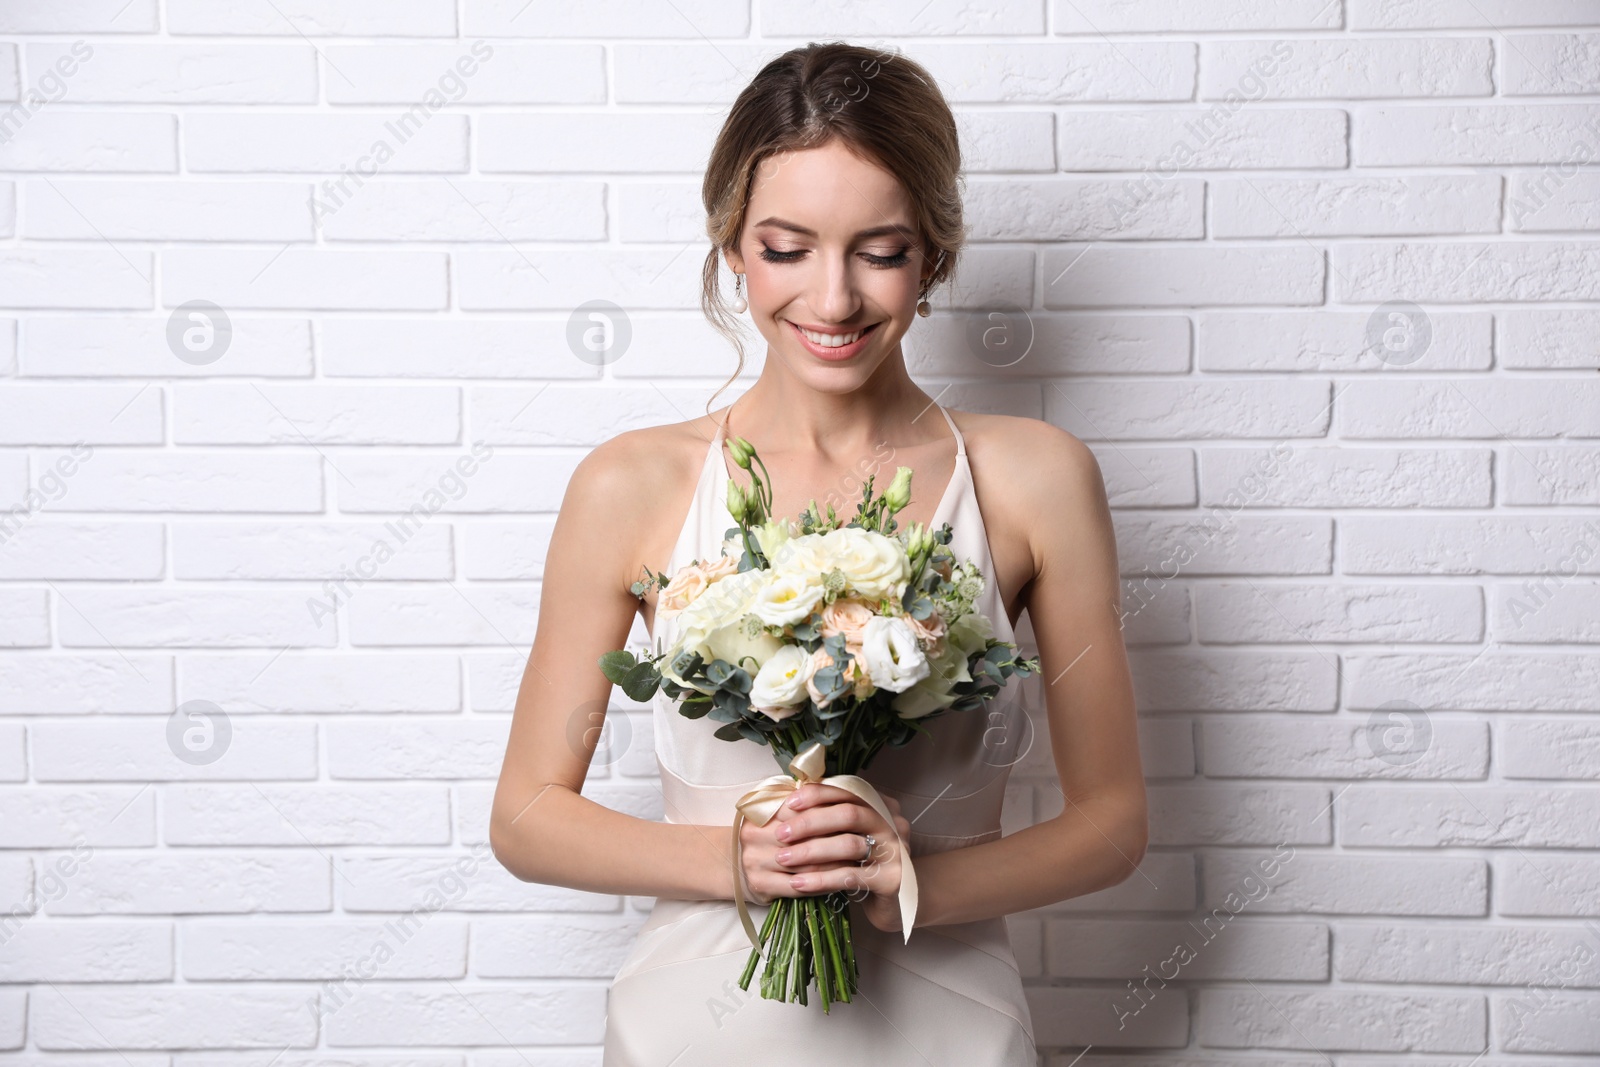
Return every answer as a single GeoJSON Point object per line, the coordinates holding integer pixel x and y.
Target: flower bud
{"type": "Point", "coordinates": [741, 451]}
{"type": "Point", "coordinates": [898, 495]}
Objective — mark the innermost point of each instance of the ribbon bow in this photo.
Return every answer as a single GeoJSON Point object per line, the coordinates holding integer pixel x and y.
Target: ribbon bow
{"type": "Point", "coordinates": [763, 802]}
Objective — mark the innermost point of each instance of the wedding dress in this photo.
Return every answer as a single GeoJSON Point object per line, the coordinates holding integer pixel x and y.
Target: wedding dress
{"type": "Point", "coordinates": [951, 995]}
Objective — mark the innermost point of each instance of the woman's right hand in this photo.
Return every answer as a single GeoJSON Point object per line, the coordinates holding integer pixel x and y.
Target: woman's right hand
{"type": "Point", "coordinates": [765, 879]}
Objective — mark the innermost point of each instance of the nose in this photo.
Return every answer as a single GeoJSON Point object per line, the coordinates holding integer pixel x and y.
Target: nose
{"type": "Point", "coordinates": [834, 298]}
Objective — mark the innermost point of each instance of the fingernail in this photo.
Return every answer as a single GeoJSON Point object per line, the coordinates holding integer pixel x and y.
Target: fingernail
{"type": "Point", "coordinates": [785, 856]}
{"type": "Point", "coordinates": [783, 832]}
{"type": "Point", "coordinates": [797, 883]}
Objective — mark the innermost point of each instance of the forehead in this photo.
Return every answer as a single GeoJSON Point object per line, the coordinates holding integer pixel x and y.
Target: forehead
{"type": "Point", "coordinates": [828, 189]}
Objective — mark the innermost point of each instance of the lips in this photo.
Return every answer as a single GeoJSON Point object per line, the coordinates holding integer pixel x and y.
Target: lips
{"type": "Point", "coordinates": [836, 353]}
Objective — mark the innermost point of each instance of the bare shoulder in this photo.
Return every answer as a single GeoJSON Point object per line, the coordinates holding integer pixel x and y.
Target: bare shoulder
{"type": "Point", "coordinates": [625, 497]}
{"type": "Point", "coordinates": [1042, 485]}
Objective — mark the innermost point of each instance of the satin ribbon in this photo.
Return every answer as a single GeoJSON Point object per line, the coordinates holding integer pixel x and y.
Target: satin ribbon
{"type": "Point", "coordinates": [763, 802]}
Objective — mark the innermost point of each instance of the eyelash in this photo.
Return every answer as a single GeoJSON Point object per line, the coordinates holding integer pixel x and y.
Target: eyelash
{"type": "Point", "coordinates": [899, 259]}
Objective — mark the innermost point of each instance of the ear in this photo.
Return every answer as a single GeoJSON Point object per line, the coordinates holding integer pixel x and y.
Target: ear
{"type": "Point", "coordinates": [734, 259]}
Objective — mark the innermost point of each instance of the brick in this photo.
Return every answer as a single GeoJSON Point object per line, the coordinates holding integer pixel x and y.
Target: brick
{"type": "Point", "coordinates": [303, 278]}
{"type": "Point", "coordinates": [64, 817]}
{"type": "Point", "coordinates": [1064, 1016]}
{"type": "Point", "coordinates": [509, 483]}
{"type": "Point", "coordinates": [657, 142]}
{"type": "Point", "coordinates": [1564, 474]}
{"type": "Point", "coordinates": [696, 19]}
{"type": "Point", "coordinates": [494, 280]}
{"type": "Point", "coordinates": [1360, 207]}
{"type": "Point", "coordinates": [1228, 680]}
{"type": "Point", "coordinates": [1513, 271]}
{"type": "Point", "coordinates": [419, 1014]}
{"type": "Point", "coordinates": [1256, 746]}
{"type": "Point", "coordinates": [1500, 134]}
{"type": "Point", "coordinates": [999, 141]}
{"type": "Point", "coordinates": [1155, 408]}
{"type": "Point", "coordinates": [1359, 68]}
{"type": "Point", "coordinates": [24, 621]}
{"type": "Point", "coordinates": [137, 481]}
{"type": "Point", "coordinates": [1320, 340]}
{"type": "Point", "coordinates": [235, 551]}
{"type": "Point", "coordinates": [1342, 1020]}
{"type": "Point", "coordinates": [1550, 748]}
{"type": "Point", "coordinates": [1345, 477]}
{"type": "Point", "coordinates": [1333, 883]}
{"type": "Point", "coordinates": [318, 814]}
{"type": "Point", "coordinates": [1217, 814]}
{"type": "Point", "coordinates": [497, 212]}
{"type": "Point", "coordinates": [1460, 954]}
{"type": "Point", "coordinates": [329, 414]}
{"type": "Point", "coordinates": [290, 950]}
{"type": "Point", "coordinates": [1552, 63]}
{"type": "Point", "coordinates": [168, 617]}
{"type": "Point", "coordinates": [130, 751]}
{"type": "Point", "coordinates": [413, 141]}
{"type": "Point", "coordinates": [1555, 199]}
{"type": "Point", "coordinates": [46, 952]}
{"type": "Point", "coordinates": [1470, 544]}
{"type": "Point", "coordinates": [108, 142]}
{"type": "Point", "coordinates": [410, 749]}
{"type": "Point", "coordinates": [919, 17]}
{"type": "Point", "coordinates": [114, 346]}
{"type": "Point", "coordinates": [211, 881]}
{"type": "Point", "coordinates": [1537, 1020]}
{"type": "Point", "coordinates": [1076, 210]}
{"type": "Point", "coordinates": [1544, 610]}
{"type": "Point", "coordinates": [1118, 949]}
{"type": "Point", "coordinates": [1114, 276]}
{"type": "Point", "coordinates": [404, 615]}
{"type": "Point", "coordinates": [1130, 16]}
{"type": "Point", "coordinates": [185, 73]}
{"type": "Point", "coordinates": [1434, 816]}
{"type": "Point", "coordinates": [466, 73]}
{"type": "Point", "coordinates": [1484, 681]}
{"type": "Point", "coordinates": [292, 682]}
{"type": "Point", "coordinates": [48, 414]}
{"type": "Point", "coordinates": [157, 1017]}
{"type": "Point", "coordinates": [1556, 886]}
{"type": "Point", "coordinates": [82, 16]}
{"type": "Point", "coordinates": [167, 210]}
{"type": "Point", "coordinates": [358, 346]}
{"type": "Point", "coordinates": [1219, 137]}
{"type": "Point", "coordinates": [1468, 408]}
{"type": "Point", "coordinates": [313, 18]}
{"type": "Point", "coordinates": [75, 278]}
{"type": "Point", "coordinates": [1464, 14]}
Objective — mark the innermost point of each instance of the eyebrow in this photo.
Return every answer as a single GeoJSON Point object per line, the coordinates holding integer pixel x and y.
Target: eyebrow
{"type": "Point", "coordinates": [893, 230]}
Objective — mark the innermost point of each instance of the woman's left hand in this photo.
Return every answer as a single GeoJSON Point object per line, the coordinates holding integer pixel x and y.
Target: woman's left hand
{"type": "Point", "coordinates": [826, 849]}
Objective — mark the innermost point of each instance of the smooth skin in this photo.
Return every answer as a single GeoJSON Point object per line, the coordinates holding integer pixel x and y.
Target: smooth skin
{"type": "Point", "coordinates": [829, 243]}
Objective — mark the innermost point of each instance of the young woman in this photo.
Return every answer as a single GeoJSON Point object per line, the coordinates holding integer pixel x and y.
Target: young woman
{"type": "Point", "coordinates": [833, 195]}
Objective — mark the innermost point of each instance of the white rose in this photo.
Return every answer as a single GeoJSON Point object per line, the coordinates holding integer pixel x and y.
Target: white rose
{"type": "Point", "coordinates": [780, 685]}
{"type": "Point", "coordinates": [946, 670]}
{"type": "Point", "coordinates": [891, 655]}
{"type": "Point", "coordinates": [788, 599]}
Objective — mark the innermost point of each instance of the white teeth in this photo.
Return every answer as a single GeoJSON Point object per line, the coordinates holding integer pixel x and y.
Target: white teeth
{"type": "Point", "coordinates": [831, 340]}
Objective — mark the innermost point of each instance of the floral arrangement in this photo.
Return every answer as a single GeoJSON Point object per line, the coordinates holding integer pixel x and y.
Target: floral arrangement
{"type": "Point", "coordinates": [824, 641]}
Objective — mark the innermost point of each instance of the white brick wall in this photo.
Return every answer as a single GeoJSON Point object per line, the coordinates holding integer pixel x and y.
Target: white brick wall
{"type": "Point", "coordinates": [1361, 613]}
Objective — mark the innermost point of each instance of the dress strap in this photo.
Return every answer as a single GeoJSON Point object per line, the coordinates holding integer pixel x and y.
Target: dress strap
{"type": "Point", "coordinates": [961, 442]}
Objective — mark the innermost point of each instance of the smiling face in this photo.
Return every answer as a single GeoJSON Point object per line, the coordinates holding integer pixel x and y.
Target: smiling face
{"type": "Point", "coordinates": [832, 263]}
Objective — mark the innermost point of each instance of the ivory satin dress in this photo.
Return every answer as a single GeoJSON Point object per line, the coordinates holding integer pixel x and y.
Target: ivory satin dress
{"type": "Point", "coordinates": [951, 995]}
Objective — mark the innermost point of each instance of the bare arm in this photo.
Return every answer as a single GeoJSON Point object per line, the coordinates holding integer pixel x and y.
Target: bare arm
{"type": "Point", "coordinates": [542, 829]}
{"type": "Point", "coordinates": [1100, 835]}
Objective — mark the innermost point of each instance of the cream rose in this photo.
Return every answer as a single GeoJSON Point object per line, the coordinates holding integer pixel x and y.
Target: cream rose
{"type": "Point", "coordinates": [788, 598]}
{"type": "Point", "coordinates": [873, 565]}
{"type": "Point", "coordinates": [714, 625]}
{"type": "Point", "coordinates": [847, 616]}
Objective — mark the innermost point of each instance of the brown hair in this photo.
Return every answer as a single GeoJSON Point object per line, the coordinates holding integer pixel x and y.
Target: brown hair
{"type": "Point", "coordinates": [884, 106]}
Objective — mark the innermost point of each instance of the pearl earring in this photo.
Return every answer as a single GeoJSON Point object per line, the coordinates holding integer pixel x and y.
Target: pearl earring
{"type": "Point", "coordinates": [739, 302]}
{"type": "Point", "coordinates": [924, 308]}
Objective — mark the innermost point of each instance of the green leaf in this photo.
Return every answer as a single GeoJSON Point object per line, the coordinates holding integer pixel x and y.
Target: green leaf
{"type": "Point", "coordinates": [616, 665]}
{"type": "Point", "coordinates": [641, 682]}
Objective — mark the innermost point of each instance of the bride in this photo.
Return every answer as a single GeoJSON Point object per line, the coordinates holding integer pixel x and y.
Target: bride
{"type": "Point", "coordinates": [833, 195]}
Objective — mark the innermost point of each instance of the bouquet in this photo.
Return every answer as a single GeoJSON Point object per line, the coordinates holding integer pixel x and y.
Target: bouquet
{"type": "Point", "coordinates": [825, 642]}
